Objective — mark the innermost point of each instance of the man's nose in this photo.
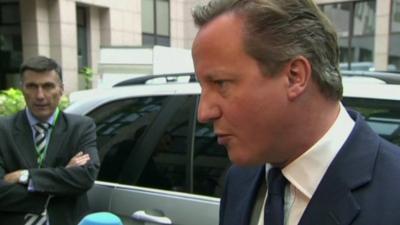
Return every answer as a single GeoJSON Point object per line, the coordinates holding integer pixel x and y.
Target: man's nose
{"type": "Point", "coordinates": [207, 110]}
{"type": "Point", "coordinates": [40, 93]}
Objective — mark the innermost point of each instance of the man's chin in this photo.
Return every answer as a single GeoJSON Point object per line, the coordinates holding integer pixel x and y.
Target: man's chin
{"type": "Point", "coordinates": [244, 160]}
{"type": "Point", "coordinates": [41, 115]}
{"type": "Point", "coordinates": [239, 160]}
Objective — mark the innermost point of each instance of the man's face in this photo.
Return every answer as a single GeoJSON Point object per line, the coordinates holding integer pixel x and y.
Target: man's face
{"type": "Point", "coordinates": [42, 92]}
{"type": "Point", "coordinates": [246, 107]}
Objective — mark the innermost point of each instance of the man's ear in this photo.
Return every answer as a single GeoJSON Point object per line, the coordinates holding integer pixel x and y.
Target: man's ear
{"type": "Point", "coordinates": [62, 88]}
{"type": "Point", "coordinates": [298, 74]}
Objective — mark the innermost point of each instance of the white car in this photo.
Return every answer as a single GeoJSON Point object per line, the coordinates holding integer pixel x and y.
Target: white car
{"type": "Point", "coordinates": [160, 166]}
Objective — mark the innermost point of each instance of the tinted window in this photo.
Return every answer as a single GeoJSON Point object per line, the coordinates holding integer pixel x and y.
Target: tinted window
{"type": "Point", "coordinates": [145, 141]}
{"type": "Point", "coordinates": [210, 162]}
{"type": "Point", "coordinates": [383, 116]}
{"type": "Point", "coordinates": [169, 163]}
{"type": "Point", "coordinates": [155, 142]}
{"type": "Point", "coordinates": [120, 125]}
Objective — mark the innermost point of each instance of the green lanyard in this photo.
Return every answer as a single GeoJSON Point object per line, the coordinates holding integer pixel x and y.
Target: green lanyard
{"type": "Point", "coordinates": [41, 157]}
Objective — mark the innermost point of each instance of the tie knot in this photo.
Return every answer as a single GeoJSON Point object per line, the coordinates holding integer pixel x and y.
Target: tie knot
{"type": "Point", "coordinates": [41, 127]}
{"type": "Point", "coordinates": [276, 182]}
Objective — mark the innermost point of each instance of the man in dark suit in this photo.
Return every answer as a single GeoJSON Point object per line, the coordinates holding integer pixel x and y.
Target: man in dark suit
{"type": "Point", "coordinates": [271, 86]}
{"type": "Point", "coordinates": [48, 159]}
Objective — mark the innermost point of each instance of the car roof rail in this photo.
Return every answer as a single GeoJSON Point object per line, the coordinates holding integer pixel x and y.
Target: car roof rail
{"type": "Point", "coordinates": [387, 77]}
{"type": "Point", "coordinates": [169, 78]}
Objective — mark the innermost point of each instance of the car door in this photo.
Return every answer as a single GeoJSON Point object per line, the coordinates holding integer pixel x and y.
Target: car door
{"type": "Point", "coordinates": [147, 150]}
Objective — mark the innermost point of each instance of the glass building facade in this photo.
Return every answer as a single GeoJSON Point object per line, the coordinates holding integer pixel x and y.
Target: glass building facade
{"type": "Point", "coordinates": [10, 41]}
{"type": "Point", "coordinates": [355, 24]}
{"type": "Point", "coordinates": [394, 50]}
{"type": "Point", "coordinates": [155, 22]}
{"type": "Point", "coordinates": [368, 31]}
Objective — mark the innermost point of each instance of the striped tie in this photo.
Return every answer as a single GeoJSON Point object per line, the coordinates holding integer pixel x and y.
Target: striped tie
{"type": "Point", "coordinates": [40, 139]}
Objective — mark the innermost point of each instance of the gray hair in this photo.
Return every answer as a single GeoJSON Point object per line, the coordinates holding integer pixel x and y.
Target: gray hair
{"type": "Point", "coordinates": [41, 64]}
{"type": "Point", "coordinates": [280, 30]}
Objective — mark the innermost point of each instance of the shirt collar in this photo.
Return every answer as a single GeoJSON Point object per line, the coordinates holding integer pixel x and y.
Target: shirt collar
{"type": "Point", "coordinates": [307, 171]}
{"type": "Point", "coordinates": [33, 121]}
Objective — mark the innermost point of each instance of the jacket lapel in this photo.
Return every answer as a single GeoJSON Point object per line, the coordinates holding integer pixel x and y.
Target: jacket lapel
{"type": "Point", "coordinates": [24, 140]}
{"type": "Point", "coordinates": [250, 195]}
{"type": "Point", "coordinates": [333, 203]}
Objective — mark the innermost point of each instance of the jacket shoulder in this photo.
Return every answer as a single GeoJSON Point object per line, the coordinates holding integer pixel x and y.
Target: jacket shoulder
{"type": "Point", "coordinates": [7, 121]}
{"type": "Point", "coordinates": [389, 157]}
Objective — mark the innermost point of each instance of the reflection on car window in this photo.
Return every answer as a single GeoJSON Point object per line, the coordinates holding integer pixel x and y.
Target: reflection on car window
{"type": "Point", "coordinates": [167, 165]}
{"type": "Point", "coordinates": [156, 142]}
{"type": "Point", "coordinates": [210, 162]}
{"type": "Point", "coordinates": [119, 125]}
{"type": "Point", "coordinates": [383, 116]}
{"type": "Point", "coordinates": [144, 141]}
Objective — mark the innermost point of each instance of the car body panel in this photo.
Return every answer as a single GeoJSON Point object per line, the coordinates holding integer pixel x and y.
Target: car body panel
{"type": "Point", "coordinates": [126, 200]}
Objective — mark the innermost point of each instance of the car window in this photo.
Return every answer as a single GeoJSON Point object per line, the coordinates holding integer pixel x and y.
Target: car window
{"type": "Point", "coordinates": [145, 141]}
{"type": "Point", "coordinates": [119, 125]}
{"type": "Point", "coordinates": [169, 164]}
{"type": "Point", "coordinates": [210, 162]}
{"type": "Point", "coordinates": [157, 142]}
{"type": "Point", "coordinates": [383, 116]}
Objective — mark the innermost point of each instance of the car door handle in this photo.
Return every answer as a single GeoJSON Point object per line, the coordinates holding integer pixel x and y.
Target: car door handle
{"type": "Point", "coordinates": [143, 216]}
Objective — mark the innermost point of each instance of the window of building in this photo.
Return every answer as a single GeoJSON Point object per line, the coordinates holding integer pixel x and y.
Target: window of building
{"type": "Point", "coordinates": [82, 36]}
{"type": "Point", "coordinates": [395, 23]}
{"type": "Point", "coordinates": [155, 22]}
{"type": "Point", "coordinates": [355, 24]}
{"type": "Point", "coordinates": [394, 47]}
{"type": "Point", "coordinates": [10, 41]}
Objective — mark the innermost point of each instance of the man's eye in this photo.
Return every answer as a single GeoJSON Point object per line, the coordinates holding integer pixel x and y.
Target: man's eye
{"type": "Point", "coordinates": [220, 83]}
{"type": "Point", "coordinates": [48, 87]}
{"type": "Point", "coordinates": [31, 86]}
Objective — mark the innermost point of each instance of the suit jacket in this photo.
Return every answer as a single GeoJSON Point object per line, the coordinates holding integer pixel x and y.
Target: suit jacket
{"type": "Point", "coordinates": [68, 186]}
{"type": "Point", "coordinates": [360, 187]}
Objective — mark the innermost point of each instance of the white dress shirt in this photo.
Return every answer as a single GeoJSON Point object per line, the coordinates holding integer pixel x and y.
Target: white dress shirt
{"type": "Point", "coordinates": [305, 173]}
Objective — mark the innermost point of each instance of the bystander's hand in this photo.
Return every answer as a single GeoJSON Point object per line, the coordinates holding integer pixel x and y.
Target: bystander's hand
{"type": "Point", "coordinates": [12, 177]}
{"type": "Point", "coordinates": [79, 159]}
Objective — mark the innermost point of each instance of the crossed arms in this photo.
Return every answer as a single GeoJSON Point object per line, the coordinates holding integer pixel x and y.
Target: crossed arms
{"type": "Point", "coordinates": [73, 178]}
{"type": "Point", "coordinates": [79, 159]}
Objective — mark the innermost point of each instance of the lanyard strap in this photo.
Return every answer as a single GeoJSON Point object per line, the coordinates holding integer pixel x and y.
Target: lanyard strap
{"type": "Point", "coordinates": [41, 157]}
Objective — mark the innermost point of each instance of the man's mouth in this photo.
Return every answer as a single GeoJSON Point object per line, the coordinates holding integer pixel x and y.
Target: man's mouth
{"type": "Point", "coordinates": [223, 139]}
{"type": "Point", "coordinates": [41, 106]}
